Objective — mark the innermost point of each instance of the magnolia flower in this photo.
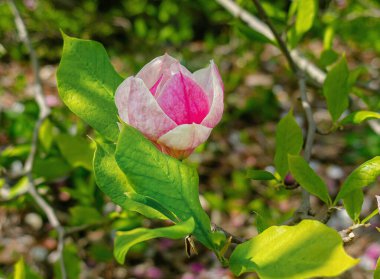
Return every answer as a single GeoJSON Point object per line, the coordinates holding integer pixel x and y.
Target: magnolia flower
{"type": "Point", "coordinates": [172, 107]}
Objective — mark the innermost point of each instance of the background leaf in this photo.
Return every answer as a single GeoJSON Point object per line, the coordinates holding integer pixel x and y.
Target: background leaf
{"type": "Point", "coordinates": [309, 249]}
{"type": "Point", "coordinates": [358, 117]}
{"type": "Point", "coordinates": [362, 176]}
{"type": "Point", "coordinates": [260, 175]}
{"type": "Point", "coordinates": [160, 177]}
{"type": "Point", "coordinates": [307, 178]}
{"type": "Point", "coordinates": [353, 203]}
{"type": "Point", "coordinates": [76, 150]}
{"type": "Point", "coordinates": [305, 11]}
{"type": "Point", "coordinates": [289, 140]}
{"type": "Point", "coordinates": [87, 83]}
{"type": "Point", "coordinates": [125, 240]}
{"type": "Point", "coordinates": [336, 89]}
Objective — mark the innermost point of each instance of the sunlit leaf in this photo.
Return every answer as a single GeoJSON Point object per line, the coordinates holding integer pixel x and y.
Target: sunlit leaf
{"type": "Point", "coordinates": [306, 11]}
{"type": "Point", "coordinates": [358, 117]}
{"type": "Point", "coordinates": [45, 134]}
{"type": "Point", "coordinates": [362, 176]}
{"type": "Point", "coordinates": [307, 250]}
{"type": "Point", "coordinates": [87, 82]}
{"type": "Point", "coordinates": [125, 240]}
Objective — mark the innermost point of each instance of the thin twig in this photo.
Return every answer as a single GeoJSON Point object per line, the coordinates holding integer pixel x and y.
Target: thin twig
{"type": "Point", "coordinates": [43, 114]}
{"type": "Point", "coordinates": [315, 74]}
{"type": "Point", "coordinates": [304, 209]}
{"type": "Point", "coordinates": [348, 234]}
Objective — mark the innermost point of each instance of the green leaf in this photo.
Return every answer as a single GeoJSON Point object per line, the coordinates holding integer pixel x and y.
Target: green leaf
{"type": "Point", "coordinates": [260, 175]}
{"type": "Point", "coordinates": [336, 89]}
{"type": "Point", "coordinates": [328, 57]}
{"type": "Point", "coordinates": [72, 263]}
{"type": "Point", "coordinates": [45, 134]}
{"type": "Point", "coordinates": [19, 269]}
{"type": "Point", "coordinates": [376, 274]}
{"type": "Point", "coordinates": [114, 183]}
{"type": "Point", "coordinates": [306, 11]}
{"type": "Point", "coordinates": [22, 271]}
{"type": "Point", "coordinates": [307, 178]}
{"type": "Point", "coordinates": [84, 215]}
{"type": "Point", "coordinates": [51, 168]}
{"type": "Point", "coordinates": [309, 249]}
{"type": "Point", "coordinates": [353, 203]}
{"type": "Point", "coordinates": [358, 117]}
{"type": "Point", "coordinates": [362, 176]}
{"type": "Point", "coordinates": [289, 140]}
{"type": "Point", "coordinates": [76, 150]}
{"type": "Point", "coordinates": [125, 240]}
{"type": "Point", "coordinates": [87, 82]}
{"type": "Point", "coordinates": [170, 182]}
{"type": "Point", "coordinates": [328, 37]}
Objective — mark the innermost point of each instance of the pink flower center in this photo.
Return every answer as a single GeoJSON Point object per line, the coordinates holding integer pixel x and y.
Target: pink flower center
{"type": "Point", "coordinates": [183, 100]}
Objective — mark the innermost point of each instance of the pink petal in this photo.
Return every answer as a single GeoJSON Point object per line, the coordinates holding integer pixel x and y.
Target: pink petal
{"type": "Point", "coordinates": [138, 108]}
{"type": "Point", "coordinates": [185, 137]}
{"type": "Point", "coordinates": [153, 71]}
{"type": "Point", "coordinates": [378, 202]}
{"type": "Point", "coordinates": [183, 100]}
{"type": "Point", "coordinates": [209, 79]}
{"type": "Point", "coordinates": [155, 86]}
{"type": "Point", "coordinates": [168, 73]}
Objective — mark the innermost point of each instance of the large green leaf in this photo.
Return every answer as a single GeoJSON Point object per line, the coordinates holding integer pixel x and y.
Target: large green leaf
{"type": "Point", "coordinates": [362, 176]}
{"type": "Point", "coordinates": [125, 240]}
{"type": "Point", "coordinates": [87, 82]}
{"type": "Point", "coordinates": [336, 89]}
{"type": "Point", "coordinates": [358, 117]}
{"type": "Point", "coordinates": [307, 178]}
{"type": "Point", "coordinates": [168, 181]}
{"type": "Point", "coordinates": [113, 182]}
{"type": "Point", "coordinates": [289, 140]}
{"type": "Point", "coordinates": [309, 249]}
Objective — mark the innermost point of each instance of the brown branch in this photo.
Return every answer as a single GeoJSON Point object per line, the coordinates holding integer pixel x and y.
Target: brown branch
{"type": "Point", "coordinates": [43, 114]}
